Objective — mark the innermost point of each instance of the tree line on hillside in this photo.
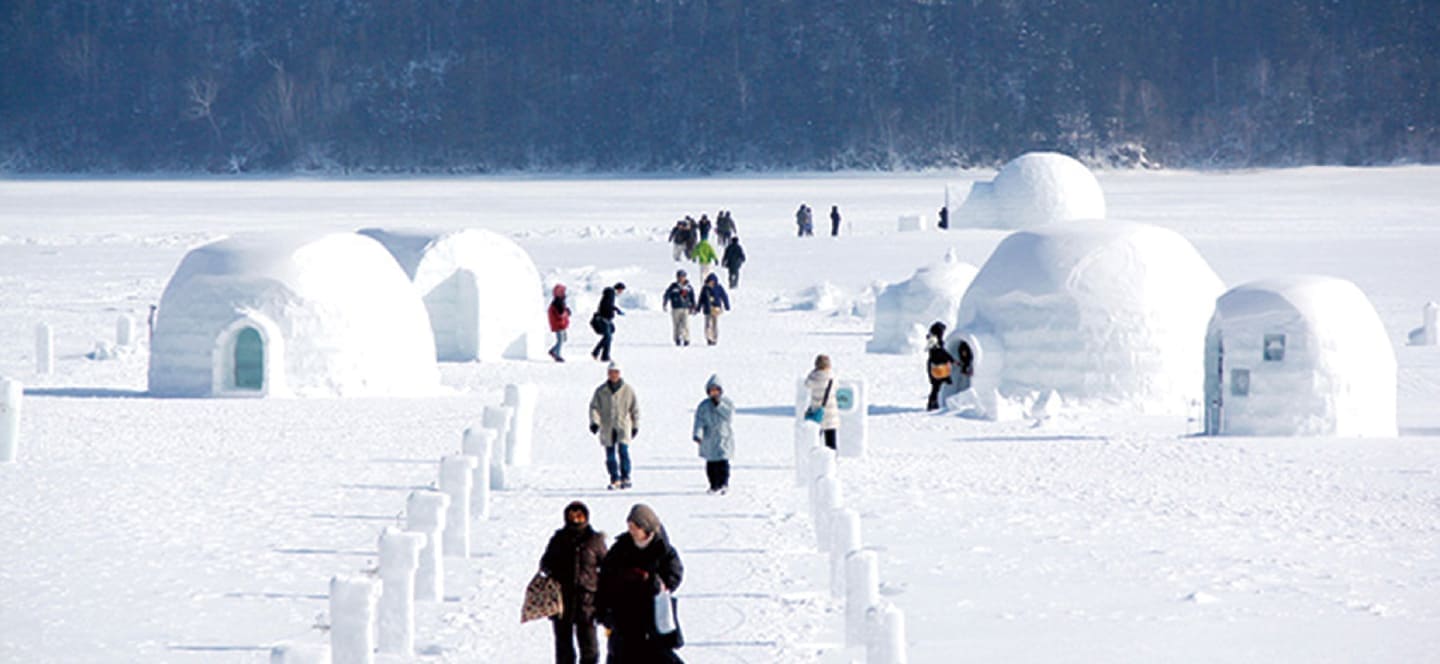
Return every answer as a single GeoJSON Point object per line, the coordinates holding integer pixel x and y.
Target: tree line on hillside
{"type": "Point", "coordinates": [705, 85]}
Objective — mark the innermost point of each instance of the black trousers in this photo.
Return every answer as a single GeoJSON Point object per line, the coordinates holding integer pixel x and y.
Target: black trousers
{"type": "Point", "coordinates": [719, 473]}
{"type": "Point", "coordinates": [934, 401]}
{"type": "Point", "coordinates": [828, 435]}
{"type": "Point", "coordinates": [583, 631]}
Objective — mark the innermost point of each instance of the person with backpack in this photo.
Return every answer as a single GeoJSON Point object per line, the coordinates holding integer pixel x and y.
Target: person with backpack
{"type": "Point", "coordinates": [679, 298]}
{"type": "Point", "coordinates": [938, 364]}
{"type": "Point", "coordinates": [559, 314]}
{"type": "Point", "coordinates": [572, 558]}
{"type": "Point", "coordinates": [732, 260]}
{"type": "Point", "coordinates": [713, 301]}
{"type": "Point", "coordinates": [603, 322]}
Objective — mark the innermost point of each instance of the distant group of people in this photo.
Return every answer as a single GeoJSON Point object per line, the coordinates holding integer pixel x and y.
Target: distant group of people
{"type": "Point", "coordinates": [805, 221]}
{"type": "Point", "coordinates": [690, 240]}
{"type": "Point", "coordinates": [681, 301]}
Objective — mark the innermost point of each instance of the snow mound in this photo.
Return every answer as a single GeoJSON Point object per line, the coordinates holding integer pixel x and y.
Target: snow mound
{"type": "Point", "coordinates": [1299, 356]}
{"type": "Point", "coordinates": [826, 297]}
{"type": "Point", "coordinates": [1034, 189]}
{"type": "Point", "coordinates": [1097, 311]}
{"type": "Point", "coordinates": [904, 311]}
{"type": "Point", "coordinates": [280, 314]}
{"type": "Point", "coordinates": [482, 291]}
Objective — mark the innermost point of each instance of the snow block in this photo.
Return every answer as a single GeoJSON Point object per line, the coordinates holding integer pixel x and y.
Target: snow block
{"type": "Point", "coordinates": [854, 434]}
{"type": "Point", "coordinates": [479, 442]}
{"type": "Point", "coordinates": [522, 399]}
{"type": "Point", "coordinates": [862, 593]}
{"type": "Point", "coordinates": [44, 350]}
{"type": "Point", "coordinates": [352, 619]}
{"type": "Point", "coordinates": [825, 498]}
{"type": "Point", "coordinates": [807, 438]}
{"type": "Point", "coordinates": [425, 514]}
{"type": "Point", "coordinates": [456, 478]}
{"type": "Point", "coordinates": [125, 331]}
{"type": "Point", "coordinates": [886, 643]}
{"type": "Point", "coordinates": [844, 540]}
{"type": "Point", "coordinates": [297, 653]}
{"type": "Point", "coordinates": [11, 393]}
{"type": "Point", "coordinates": [399, 560]}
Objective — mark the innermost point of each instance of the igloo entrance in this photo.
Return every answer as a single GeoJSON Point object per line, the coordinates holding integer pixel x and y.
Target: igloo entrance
{"type": "Point", "coordinates": [249, 360]}
{"type": "Point", "coordinates": [454, 307]}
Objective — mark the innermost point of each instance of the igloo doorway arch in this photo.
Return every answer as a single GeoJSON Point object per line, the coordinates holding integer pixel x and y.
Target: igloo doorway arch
{"type": "Point", "coordinates": [248, 359]}
{"type": "Point", "coordinates": [454, 306]}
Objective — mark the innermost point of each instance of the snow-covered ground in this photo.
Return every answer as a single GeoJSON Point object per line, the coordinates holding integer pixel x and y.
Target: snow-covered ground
{"type": "Point", "coordinates": [194, 530]}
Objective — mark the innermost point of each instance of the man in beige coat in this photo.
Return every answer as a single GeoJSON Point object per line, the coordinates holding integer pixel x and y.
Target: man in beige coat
{"type": "Point", "coordinates": [615, 417]}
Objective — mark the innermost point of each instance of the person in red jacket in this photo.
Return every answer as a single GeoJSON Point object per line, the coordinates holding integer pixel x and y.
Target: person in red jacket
{"type": "Point", "coordinates": [559, 320]}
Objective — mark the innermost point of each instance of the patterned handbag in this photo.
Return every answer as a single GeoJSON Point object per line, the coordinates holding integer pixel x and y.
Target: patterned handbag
{"type": "Point", "coordinates": [542, 599]}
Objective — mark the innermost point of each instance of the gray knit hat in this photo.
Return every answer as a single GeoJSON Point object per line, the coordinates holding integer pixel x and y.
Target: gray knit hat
{"type": "Point", "coordinates": [644, 518]}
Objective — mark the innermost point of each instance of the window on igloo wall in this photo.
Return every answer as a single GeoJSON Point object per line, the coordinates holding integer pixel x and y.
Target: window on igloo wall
{"type": "Point", "coordinates": [249, 360]}
{"type": "Point", "coordinates": [1275, 347]}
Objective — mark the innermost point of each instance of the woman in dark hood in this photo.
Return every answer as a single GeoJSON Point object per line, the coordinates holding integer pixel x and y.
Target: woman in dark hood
{"type": "Point", "coordinates": [638, 566]}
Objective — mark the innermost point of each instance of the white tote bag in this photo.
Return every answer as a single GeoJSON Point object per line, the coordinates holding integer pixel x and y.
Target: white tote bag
{"type": "Point", "coordinates": [664, 613]}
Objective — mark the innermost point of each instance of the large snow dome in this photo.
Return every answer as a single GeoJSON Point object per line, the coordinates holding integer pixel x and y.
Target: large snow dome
{"type": "Point", "coordinates": [904, 311]}
{"type": "Point", "coordinates": [1105, 311]}
{"type": "Point", "coordinates": [1034, 189]}
{"type": "Point", "coordinates": [1298, 356]}
{"type": "Point", "coordinates": [483, 293]}
{"type": "Point", "coordinates": [291, 314]}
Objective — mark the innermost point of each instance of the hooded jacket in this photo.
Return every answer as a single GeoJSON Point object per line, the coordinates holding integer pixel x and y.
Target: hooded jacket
{"type": "Point", "coordinates": [630, 577]}
{"type": "Point", "coordinates": [713, 296]}
{"type": "Point", "coordinates": [558, 311]}
{"type": "Point", "coordinates": [712, 425]}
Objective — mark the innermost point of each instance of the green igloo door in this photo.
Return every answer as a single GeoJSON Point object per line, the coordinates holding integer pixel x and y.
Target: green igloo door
{"type": "Point", "coordinates": [249, 360]}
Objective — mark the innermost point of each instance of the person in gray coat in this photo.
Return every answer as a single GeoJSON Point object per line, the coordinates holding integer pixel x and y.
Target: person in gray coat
{"type": "Point", "coordinates": [714, 435]}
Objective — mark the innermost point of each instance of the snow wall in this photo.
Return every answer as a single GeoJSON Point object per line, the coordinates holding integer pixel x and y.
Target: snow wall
{"type": "Point", "coordinates": [904, 311]}
{"type": "Point", "coordinates": [482, 291]}
{"type": "Point", "coordinates": [1299, 356]}
{"type": "Point", "coordinates": [298, 314]}
{"type": "Point", "coordinates": [1034, 189]}
{"type": "Point", "coordinates": [1097, 311]}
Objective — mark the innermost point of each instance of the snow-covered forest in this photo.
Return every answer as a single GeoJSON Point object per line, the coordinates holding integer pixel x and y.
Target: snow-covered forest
{"type": "Point", "coordinates": [357, 86]}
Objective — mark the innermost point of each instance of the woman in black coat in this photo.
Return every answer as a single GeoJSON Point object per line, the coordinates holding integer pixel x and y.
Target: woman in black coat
{"type": "Point", "coordinates": [638, 566]}
{"type": "Point", "coordinates": [938, 364]}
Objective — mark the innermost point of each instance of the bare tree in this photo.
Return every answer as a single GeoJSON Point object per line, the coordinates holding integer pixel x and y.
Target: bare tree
{"type": "Point", "coordinates": [200, 99]}
{"type": "Point", "coordinates": [277, 108]}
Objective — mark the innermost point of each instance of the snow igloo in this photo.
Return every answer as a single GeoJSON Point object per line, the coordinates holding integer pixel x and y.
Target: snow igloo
{"type": "Point", "coordinates": [482, 292]}
{"type": "Point", "coordinates": [1298, 356]}
{"type": "Point", "coordinates": [1034, 189]}
{"type": "Point", "coordinates": [291, 315]}
{"type": "Point", "coordinates": [1096, 311]}
{"type": "Point", "coordinates": [904, 311]}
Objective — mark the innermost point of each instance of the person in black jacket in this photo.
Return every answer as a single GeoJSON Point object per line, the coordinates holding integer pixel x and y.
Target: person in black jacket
{"type": "Point", "coordinates": [732, 260]}
{"type": "Point", "coordinates": [938, 363]}
{"type": "Point", "coordinates": [573, 559]}
{"type": "Point", "coordinates": [603, 321]}
{"type": "Point", "coordinates": [713, 301]}
{"type": "Point", "coordinates": [834, 221]}
{"type": "Point", "coordinates": [638, 566]}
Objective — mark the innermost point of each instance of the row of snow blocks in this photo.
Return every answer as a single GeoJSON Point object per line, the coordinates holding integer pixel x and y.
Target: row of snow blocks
{"type": "Point", "coordinates": [353, 601]}
{"type": "Point", "coordinates": [457, 476]}
{"type": "Point", "coordinates": [44, 349]}
{"type": "Point", "coordinates": [885, 635]}
{"type": "Point", "coordinates": [522, 400]}
{"type": "Point", "coordinates": [425, 514]}
{"type": "Point", "coordinates": [480, 444]}
{"type": "Point", "coordinates": [862, 593]}
{"type": "Point", "coordinates": [844, 540]}
{"type": "Point", "coordinates": [11, 392]}
{"type": "Point", "coordinates": [399, 561]}
{"type": "Point", "coordinates": [300, 653]}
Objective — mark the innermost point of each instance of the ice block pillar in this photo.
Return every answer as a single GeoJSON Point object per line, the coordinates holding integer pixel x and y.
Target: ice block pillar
{"type": "Point", "coordinates": [425, 514]}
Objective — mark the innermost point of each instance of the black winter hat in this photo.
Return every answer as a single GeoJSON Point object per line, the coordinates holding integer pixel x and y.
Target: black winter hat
{"type": "Point", "coordinates": [619, 285]}
{"type": "Point", "coordinates": [578, 506]}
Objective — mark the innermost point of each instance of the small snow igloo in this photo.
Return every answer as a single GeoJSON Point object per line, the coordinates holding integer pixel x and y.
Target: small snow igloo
{"type": "Point", "coordinates": [1298, 356]}
{"type": "Point", "coordinates": [1034, 189]}
{"type": "Point", "coordinates": [904, 311]}
{"type": "Point", "coordinates": [483, 293]}
{"type": "Point", "coordinates": [291, 315]}
{"type": "Point", "coordinates": [1096, 311]}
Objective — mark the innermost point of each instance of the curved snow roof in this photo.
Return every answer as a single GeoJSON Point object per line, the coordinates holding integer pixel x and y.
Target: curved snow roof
{"type": "Point", "coordinates": [904, 311]}
{"type": "Point", "coordinates": [1331, 307]}
{"type": "Point", "coordinates": [1034, 189]}
{"type": "Point", "coordinates": [336, 305]}
{"type": "Point", "coordinates": [1104, 310]}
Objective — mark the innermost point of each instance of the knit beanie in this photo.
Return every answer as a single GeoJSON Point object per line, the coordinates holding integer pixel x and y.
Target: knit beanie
{"type": "Point", "coordinates": [644, 518]}
{"type": "Point", "coordinates": [580, 507]}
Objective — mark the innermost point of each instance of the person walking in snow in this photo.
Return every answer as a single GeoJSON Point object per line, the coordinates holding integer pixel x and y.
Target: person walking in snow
{"type": "Point", "coordinates": [724, 228]}
{"type": "Point", "coordinates": [640, 564]}
{"type": "Point", "coordinates": [802, 221]}
{"type": "Point", "coordinates": [615, 417]}
{"type": "Point", "coordinates": [572, 558]}
{"type": "Point", "coordinates": [938, 363]}
{"type": "Point", "coordinates": [834, 221]}
{"type": "Point", "coordinates": [714, 434]}
{"type": "Point", "coordinates": [680, 300]}
{"type": "Point", "coordinates": [679, 240]}
{"type": "Point", "coordinates": [705, 256]}
{"type": "Point", "coordinates": [944, 218]}
{"type": "Point", "coordinates": [603, 322]}
{"type": "Point", "coordinates": [692, 236]}
{"type": "Point", "coordinates": [559, 314]}
{"type": "Point", "coordinates": [704, 227]}
{"type": "Point", "coordinates": [821, 383]}
{"type": "Point", "coordinates": [713, 301]}
{"type": "Point", "coordinates": [732, 260]}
